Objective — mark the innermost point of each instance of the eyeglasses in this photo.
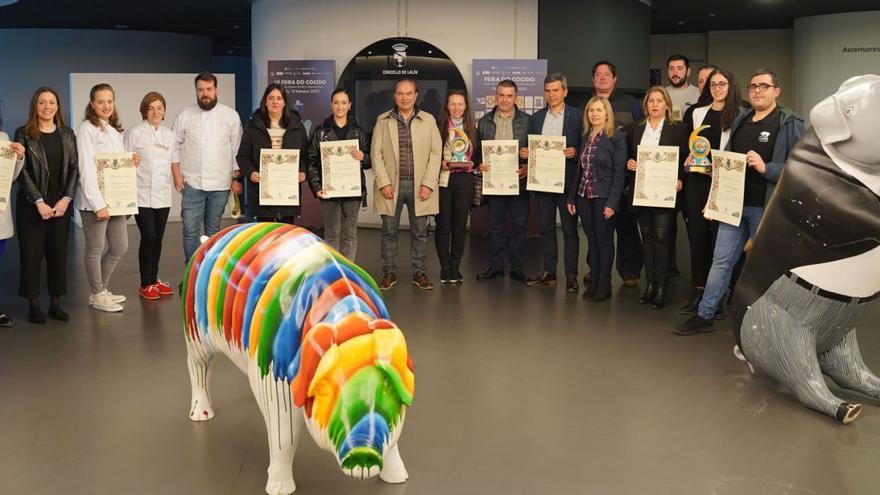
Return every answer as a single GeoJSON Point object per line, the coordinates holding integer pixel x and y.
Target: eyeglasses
{"type": "Point", "coordinates": [754, 88]}
{"type": "Point", "coordinates": [719, 85]}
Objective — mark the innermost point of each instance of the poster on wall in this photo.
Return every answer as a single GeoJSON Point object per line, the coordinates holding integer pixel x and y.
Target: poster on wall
{"type": "Point", "coordinates": [309, 84]}
{"type": "Point", "coordinates": [528, 74]}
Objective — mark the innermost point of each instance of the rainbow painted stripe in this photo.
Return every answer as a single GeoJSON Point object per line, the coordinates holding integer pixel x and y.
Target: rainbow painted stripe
{"type": "Point", "coordinates": [279, 295]}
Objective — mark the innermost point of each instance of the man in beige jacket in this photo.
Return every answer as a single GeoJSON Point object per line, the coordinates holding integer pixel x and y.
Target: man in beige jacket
{"type": "Point", "coordinates": [406, 162]}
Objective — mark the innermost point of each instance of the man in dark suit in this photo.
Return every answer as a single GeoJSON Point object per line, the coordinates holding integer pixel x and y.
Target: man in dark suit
{"type": "Point", "coordinates": [558, 119]}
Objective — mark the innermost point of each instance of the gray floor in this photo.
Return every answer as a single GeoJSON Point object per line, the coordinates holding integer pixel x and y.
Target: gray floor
{"type": "Point", "coordinates": [519, 391]}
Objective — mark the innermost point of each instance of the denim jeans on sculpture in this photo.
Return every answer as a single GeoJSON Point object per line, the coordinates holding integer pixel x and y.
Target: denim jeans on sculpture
{"type": "Point", "coordinates": [197, 209]}
{"type": "Point", "coordinates": [418, 232]}
{"type": "Point", "coordinates": [728, 249]}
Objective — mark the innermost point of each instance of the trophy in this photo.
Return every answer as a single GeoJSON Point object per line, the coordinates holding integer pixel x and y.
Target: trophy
{"type": "Point", "coordinates": [700, 149]}
{"type": "Point", "coordinates": [459, 146]}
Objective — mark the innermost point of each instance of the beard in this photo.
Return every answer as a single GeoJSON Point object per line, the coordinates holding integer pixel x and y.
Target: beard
{"type": "Point", "coordinates": [205, 104]}
{"type": "Point", "coordinates": [681, 82]}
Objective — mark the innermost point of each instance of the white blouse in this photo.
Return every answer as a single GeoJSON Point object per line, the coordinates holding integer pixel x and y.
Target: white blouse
{"type": "Point", "coordinates": [154, 146]}
{"type": "Point", "coordinates": [652, 137]}
{"type": "Point", "coordinates": [90, 141]}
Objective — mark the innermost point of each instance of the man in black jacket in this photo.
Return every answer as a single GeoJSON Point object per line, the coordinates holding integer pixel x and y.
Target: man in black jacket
{"type": "Point", "coordinates": [506, 121]}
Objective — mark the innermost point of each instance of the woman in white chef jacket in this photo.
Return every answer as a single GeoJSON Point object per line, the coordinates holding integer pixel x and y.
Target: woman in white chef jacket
{"type": "Point", "coordinates": [100, 132]}
{"type": "Point", "coordinates": [152, 141]}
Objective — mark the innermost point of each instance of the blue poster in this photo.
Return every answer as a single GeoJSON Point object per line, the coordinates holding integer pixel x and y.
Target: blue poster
{"type": "Point", "coordinates": [528, 74]}
{"type": "Point", "coordinates": [309, 84]}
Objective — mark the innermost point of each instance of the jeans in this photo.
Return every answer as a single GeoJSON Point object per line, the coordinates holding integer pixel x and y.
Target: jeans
{"type": "Point", "coordinates": [517, 208]}
{"type": "Point", "coordinates": [151, 223]}
{"type": "Point", "coordinates": [111, 233]}
{"type": "Point", "coordinates": [656, 226]}
{"type": "Point", "coordinates": [200, 209]}
{"type": "Point", "coordinates": [548, 205]}
{"type": "Point", "coordinates": [600, 237]}
{"type": "Point", "coordinates": [418, 232]}
{"type": "Point", "coordinates": [340, 225]}
{"type": "Point", "coordinates": [728, 249]}
{"type": "Point", "coordinates": [455, 206]}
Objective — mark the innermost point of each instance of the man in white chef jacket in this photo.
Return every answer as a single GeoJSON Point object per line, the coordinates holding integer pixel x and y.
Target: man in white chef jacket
{"type": "Point", "coordinates": [203, 162]}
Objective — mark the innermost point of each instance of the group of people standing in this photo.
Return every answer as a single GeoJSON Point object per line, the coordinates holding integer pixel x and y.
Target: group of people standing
{"type": "Point", "coordinates": [602, 141]}
{"type": "Point", "coordinates": [205, 155]}
{"type": "Point", "coordinates": [431, 166]}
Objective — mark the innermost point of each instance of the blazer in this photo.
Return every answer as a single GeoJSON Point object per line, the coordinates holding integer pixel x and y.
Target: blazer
{"type": "Point", "coordinates": [34, 177]}
{"type": "Point", "coordinates": [385, 155]}
{"type": "Point", "coordinates": [610, 170]}
{"type": "Point", "coordinates": [673, 134]}
{"type": "Point", "coordinates": [572, 128]}
{"type": "Point", "coordinates": [256, 137]}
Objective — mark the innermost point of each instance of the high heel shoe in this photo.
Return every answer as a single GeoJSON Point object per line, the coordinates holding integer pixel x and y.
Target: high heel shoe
{"type": "Point", "coordinates": [659, 297]}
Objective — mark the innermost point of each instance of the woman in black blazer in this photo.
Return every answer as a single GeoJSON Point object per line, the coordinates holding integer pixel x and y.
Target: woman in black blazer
{"type": "Point", "coordinates": [596, 191]}
{"type": "Point", "coordinates": [47, 185]}
{"type": "Point", "coordinates": [273, 126]}
{"type": "Point", "coordinates": [655, 224]}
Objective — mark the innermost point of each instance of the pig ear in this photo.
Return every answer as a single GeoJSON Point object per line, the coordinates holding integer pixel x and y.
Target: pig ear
{"type": "Point", "coordinates": [829, 121]}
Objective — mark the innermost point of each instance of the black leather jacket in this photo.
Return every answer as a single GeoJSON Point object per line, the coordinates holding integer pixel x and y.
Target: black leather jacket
{"type": "Point", "coordinates": [325, 132]}
{"type": "Point", "coordinates": [256, 137]}
{"type": "Point", "coordinates": [34, 177]}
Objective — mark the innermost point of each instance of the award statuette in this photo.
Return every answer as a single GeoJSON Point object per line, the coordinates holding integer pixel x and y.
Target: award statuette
{"type": "Point", "coordinates": [459, 145]}
{"type": "Point", "coordinates": [700, 149]}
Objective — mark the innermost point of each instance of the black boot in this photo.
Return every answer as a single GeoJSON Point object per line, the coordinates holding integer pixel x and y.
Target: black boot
{"type": "Point", "coordinates": [590, 291]}
{"type": "Point", "coordinates": [649, 294]}
{"type": "Point", "coordinates": [659, 297]}
{"type": "Point", "coordinates": [602, 293]}
{"type": "Point", "coordinates": [693, 304]}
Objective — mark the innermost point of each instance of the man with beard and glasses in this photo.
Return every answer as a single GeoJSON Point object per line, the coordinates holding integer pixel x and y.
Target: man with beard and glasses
{"type": "Point", "coordinates": [683, 94]}
{"type": "Point", "coordinates": [203, 161]}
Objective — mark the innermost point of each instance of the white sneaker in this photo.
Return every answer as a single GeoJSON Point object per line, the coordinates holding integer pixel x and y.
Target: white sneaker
{"type": "Point", "coordinates": [102, 302]}
{"type": "Point", "coordinates": [117, 298]}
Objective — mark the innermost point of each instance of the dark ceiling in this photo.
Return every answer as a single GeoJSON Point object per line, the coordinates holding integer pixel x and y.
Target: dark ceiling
{"type": "Point", "coordinates": [699, 16]}
{"type": "Point", "coordinates": [228, 22]}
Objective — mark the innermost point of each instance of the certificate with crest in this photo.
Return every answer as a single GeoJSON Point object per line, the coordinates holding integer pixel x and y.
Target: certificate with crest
{"type": "Point", "coordinates": [7, 171]}
{"type": "Point", "coordinates": [656, 175]}
{"type": "Point", "coordinates": [546, 163]}
{"type": "Point", "coordinates": [117, 181]}
{"type": "Point", "coordinates": [502, 158]}
{"type": "Point", "coordinates": [279, 177]}
{"type": "Point", "coordinates": [340, 172]}
{"type": "Point", "coordinates": [726, 194]}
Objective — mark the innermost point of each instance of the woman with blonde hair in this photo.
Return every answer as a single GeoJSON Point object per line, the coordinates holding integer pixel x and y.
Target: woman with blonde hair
{"type": "Point", "coordinates": [656, 223]}
{"type": "Point", "coordinates": [596, 192]}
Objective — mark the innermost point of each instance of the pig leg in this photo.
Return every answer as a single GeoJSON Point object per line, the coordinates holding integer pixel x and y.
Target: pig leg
{"type": "Point", "coordinates": [393, 470]}
{"type": "Point", "coordinates": [783, 347]}
{"type": "Point", "coordinates": [284, 425]}
{"type": "Point", "coordinates": [844, 364]}
{"type": "Point", "coordinates": [198, 361]}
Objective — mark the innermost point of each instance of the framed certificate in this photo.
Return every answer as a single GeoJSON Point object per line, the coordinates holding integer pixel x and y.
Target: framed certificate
{"type": "Point", "coordinates": [726, 194]}
{"type": "Point", "coordinates": [7, 171]}
{"type": "Point", "coordinates": [117, 181]}
{"type": "Point", "coordinates": [502, 158]}
{"type": "Point", "coordinates": [340, 172]}
{"type": "Point", "coordinates": [546, 164]}
{"type": "Point", "coordinates": [656, 175]}
{"type": "Point", "coordinates": [279, 177]}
